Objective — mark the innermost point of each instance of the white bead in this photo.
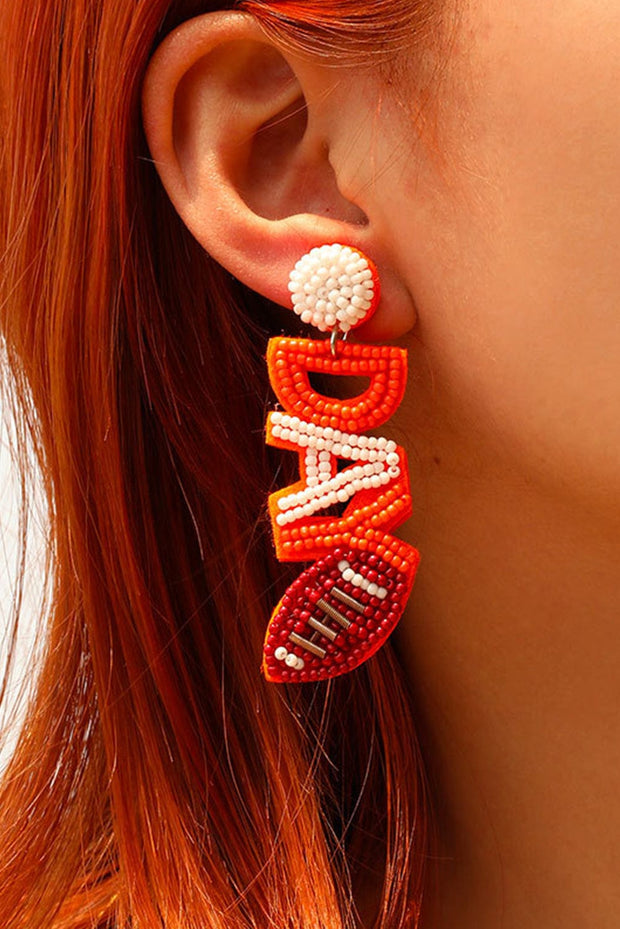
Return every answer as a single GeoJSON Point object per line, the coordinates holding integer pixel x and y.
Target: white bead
{"type": "Point", "coordinates": [348, 574]}
{"type": "Point", "coordinates": [343, 495]}
{"type": "Point", "coordinates": [291, 660]}
{"type": "Point", "coordinates": [343, 565]}
{"type": "Point", "coordinates": [346, 451]}
{"type": "Point", "coordinates": [382, 593]}
{"type": "Point", "coordinates": [382, 443]}
{"type": "Point", "coordinates": [357, 580]}
{"type": "Point", "coordinates": [393, 459]}
{"type": "Point", "coordinates": [330, 279]}
{"type": "Point", "coordinates": [393, 472]}
{"type": "Point", "coordinates": [299, 664]}
{"type": "Point", "coordinates": [281, 653]}
{"type": "Point", "coordinates": [390, 446]}
{"type": "Point", "coordinates": [372, 589]}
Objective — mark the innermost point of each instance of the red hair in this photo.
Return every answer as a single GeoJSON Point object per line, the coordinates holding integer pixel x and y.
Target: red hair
{"type": "Point", "coordinates": [158, 780]}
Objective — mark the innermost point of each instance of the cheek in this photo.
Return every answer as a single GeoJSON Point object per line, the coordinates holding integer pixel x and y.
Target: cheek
{"type": "Point", "coordinates": [510, 246]}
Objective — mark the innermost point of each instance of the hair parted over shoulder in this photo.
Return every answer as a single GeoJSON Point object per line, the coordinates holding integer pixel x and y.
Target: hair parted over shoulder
{"type": "Point", "coordinates": [158, 780]}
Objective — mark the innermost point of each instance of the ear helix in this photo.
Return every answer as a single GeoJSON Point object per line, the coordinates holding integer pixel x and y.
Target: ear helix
{"type": "Point", "coordinates": [343, 607]}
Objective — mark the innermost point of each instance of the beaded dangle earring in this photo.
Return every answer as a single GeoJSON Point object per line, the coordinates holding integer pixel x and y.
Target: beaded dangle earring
{"type": "Point", "coordinates": [343, 607]}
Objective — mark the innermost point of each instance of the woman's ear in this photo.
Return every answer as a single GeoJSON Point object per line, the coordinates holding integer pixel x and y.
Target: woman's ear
{"type": "Point", "coordinates": [236, 131]}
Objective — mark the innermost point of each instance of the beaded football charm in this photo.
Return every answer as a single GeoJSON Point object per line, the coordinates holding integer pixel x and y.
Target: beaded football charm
{"type": "Point", "coordinates": [342, 609]}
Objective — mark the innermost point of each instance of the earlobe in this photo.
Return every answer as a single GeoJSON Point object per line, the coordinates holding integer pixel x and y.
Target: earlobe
{"type": "Point", "coordinates": [235, 131]}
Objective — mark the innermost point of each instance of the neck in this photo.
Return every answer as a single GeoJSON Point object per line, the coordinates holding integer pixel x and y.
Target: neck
{"type": "Point", "coordinates": [511, 642]}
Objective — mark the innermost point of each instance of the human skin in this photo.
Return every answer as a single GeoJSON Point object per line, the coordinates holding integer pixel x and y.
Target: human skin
{"type": "Point", "coordinates": [492, 209]}
{"type": "Point", "coordinates": [510, 249]}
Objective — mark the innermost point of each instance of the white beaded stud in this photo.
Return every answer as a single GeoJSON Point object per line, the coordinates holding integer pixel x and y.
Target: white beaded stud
{"type": "Point", "coordinates": [334, 287]}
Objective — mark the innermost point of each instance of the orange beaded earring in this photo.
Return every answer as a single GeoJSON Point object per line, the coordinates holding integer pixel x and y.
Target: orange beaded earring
{"type": "Point", "coordinates": [342, 609]}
